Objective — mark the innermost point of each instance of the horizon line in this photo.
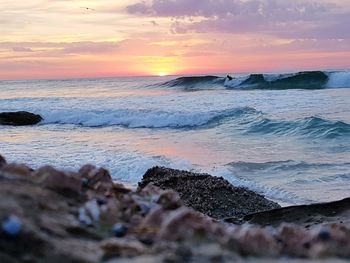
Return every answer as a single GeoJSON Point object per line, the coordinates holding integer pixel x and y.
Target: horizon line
{"type": "Point", "coordinates": [173, 75]}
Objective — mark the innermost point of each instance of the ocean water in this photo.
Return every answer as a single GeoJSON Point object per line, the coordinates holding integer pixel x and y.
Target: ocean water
{"type": "Point", "coordinates": [286, 136]}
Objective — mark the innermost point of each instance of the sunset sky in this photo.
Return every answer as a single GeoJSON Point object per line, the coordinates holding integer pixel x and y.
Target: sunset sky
{"type": "Point", "coordinates": [67, 38]}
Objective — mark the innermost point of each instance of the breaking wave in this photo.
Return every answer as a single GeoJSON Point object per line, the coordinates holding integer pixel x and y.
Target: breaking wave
{"type": "Point", "coordinates": [144, 118]}
{"type": "Point", "coordinates": [301, 80]}
{"type": "Point", "coordinates": [195, 83]}
{"type": "Point", "coordinates": [245, 119]}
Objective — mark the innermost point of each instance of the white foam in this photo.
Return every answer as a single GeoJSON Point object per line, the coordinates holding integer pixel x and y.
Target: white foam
{"type": "Point", "coordinates": [339, 80]}
{"type": "Point", "coordinates": [235, 82]}
{"type": "Point", "coordinates": [274, 77]}
{"type": "Point", "coordinates": [279, 195]}
{"type": "Point", "coordinates": [130, 168]}
{"type": "Point", "coordinates": [138, 118]}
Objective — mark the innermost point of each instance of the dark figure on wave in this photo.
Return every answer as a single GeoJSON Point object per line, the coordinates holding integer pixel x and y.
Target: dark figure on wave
{"type": "Point", "coordinates": [229, 77]}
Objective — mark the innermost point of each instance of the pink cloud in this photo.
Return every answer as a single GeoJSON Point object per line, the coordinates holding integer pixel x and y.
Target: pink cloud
{"type": "Point", "coordinates": [289, 19]}
{"type": "Point", "coordinates": [90, 47]}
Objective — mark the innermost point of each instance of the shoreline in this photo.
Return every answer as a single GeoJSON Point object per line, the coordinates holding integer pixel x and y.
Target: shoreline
{"type": "Point", "coordinates": [84, 216]}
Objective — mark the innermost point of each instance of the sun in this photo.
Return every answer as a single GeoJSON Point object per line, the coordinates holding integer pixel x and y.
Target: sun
{"type": "Point", "coordinates": [162, 74]}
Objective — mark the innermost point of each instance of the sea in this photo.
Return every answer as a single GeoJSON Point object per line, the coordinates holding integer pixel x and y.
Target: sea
{"type": "Point", "coordinates": [285, 136]}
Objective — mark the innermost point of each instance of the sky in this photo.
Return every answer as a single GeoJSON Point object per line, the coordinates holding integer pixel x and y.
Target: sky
{"type": "Point", "coordinates": [43, 39]}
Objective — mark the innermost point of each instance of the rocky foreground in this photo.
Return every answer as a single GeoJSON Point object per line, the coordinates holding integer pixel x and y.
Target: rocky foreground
{"type": "Point", "coordinates": [48, 215]}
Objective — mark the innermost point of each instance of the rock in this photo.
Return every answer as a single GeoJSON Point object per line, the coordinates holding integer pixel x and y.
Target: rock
{"type": "Point", "coordinates": [254, 241]}
{"type": "Point", "coordinates": [11, 225]}
{"type": "Point", "coordinates": [85, 170]}
{"type": "Point", "coordinates": [186, 224]}
{"type": "Point", "coordinates": [168, 198]}
{"type": "Point", "coordinates": [16, 170]}
{"type": "Point", "coordinates": [114, 247]}
{"type": "Point", "coordinates": [45, 218]}
{"type": "Point", "coordinates": [304, 215]}
{"type": "Point", "coordinates": [59, 181]}
{"type": "Point", "coordinates": [120, 230]}
{"type": "Point", "coordinates": [97, 179]}
{"type": "Point", "coordinates": [19, 118]}
{"type": "Point", "coordinates": [294, 240]}
{"type": "Point", "coordinates": [89, 213]}
{"type": "Point", "coordinates": [207, 194]}
{"type": "Point", "coordinates": [2, 161]}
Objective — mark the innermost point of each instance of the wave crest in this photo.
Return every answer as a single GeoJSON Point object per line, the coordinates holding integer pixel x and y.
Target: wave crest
{"type": "Point", "coordinates": [195, 82]}
{"type": "Point", "coordinates": [315, 127]}
{"type": "Point", "coordinates": [142, 118]}
{"type": "Point", "coordinates": [301, 80]}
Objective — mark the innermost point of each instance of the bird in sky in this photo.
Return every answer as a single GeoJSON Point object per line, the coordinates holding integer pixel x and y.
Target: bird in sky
{"type": "Point", "coordinates": [88, 8]}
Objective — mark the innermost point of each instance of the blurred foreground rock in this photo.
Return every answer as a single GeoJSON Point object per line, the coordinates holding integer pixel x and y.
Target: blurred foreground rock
{"type": "Point", "coordinates": [47, 215]}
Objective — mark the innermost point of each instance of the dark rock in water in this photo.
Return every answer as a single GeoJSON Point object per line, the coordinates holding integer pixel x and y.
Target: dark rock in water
{"type": "Point", "coordinates": [2, 161]}
{"type": "Point", "coordinates": [19, 118]}
{"type": "Point", "coordinates": [304, 215]}
{"type": "Point", "coordinates": [210, 195]}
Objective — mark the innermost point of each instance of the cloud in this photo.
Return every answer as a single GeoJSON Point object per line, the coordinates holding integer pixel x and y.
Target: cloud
{"type": "Point", "coordinates": [22, 49]}
{"type": "Point", "coordinates": [289, 19]}
{"type": "Point", "coordinates": [90, 47]}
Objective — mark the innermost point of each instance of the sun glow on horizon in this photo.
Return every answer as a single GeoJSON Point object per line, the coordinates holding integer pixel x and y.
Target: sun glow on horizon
{"type": "Point", "coordinates": [120, 38]}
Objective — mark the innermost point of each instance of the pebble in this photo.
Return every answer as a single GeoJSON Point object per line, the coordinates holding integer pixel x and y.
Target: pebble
{"type": "Point", "coordinates": [119, 230]}
{"type": "Point", "coordinates": [101, 201]}
{"type": "Point", "coordinates": [84, 181]}
{"type": "Point", "coordinates": [12, 225]}
{"type": "Point", "coordinates": [144, 208]}
{"type": "Point", "coordinates": [324, 235]}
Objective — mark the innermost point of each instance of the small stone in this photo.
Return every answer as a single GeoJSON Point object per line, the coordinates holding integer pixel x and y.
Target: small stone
{"type": "Point", "coordinates": [84, 181]}
{"type": "Point", "coordinates": [144, 208]}
{"type": "Point", "coordinates": [307, 245]}
{"type": "Point", "coordinates": [101, 201]}
{"type": "Point", "coordinates": [119, 230]}
{"type": "Point", "coordinates": [324, 235]}
{"type": "Point", "coordinates": [84, 218]}
{"type": "Point", "coordinates": [12, 225]}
